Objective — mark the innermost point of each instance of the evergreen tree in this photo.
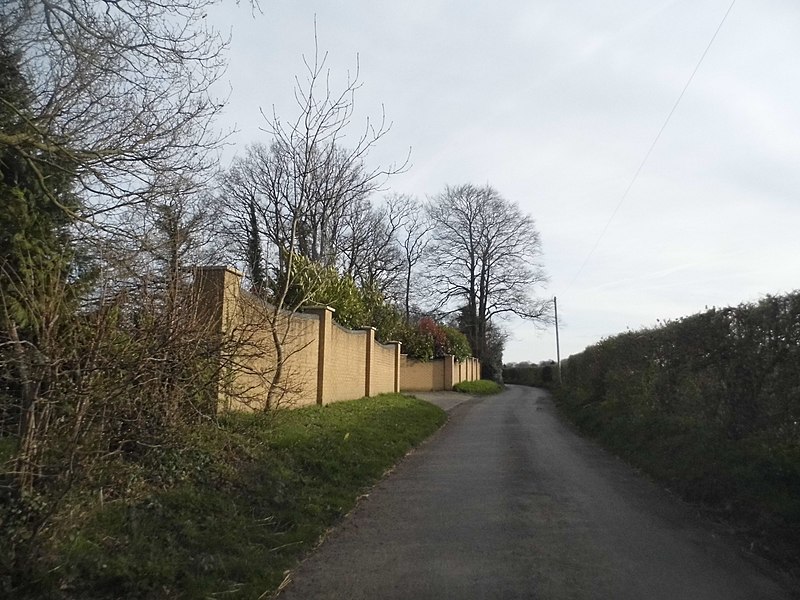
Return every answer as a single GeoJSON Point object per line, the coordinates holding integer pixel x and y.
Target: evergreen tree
{"type": "Point", "coordinates": [255, 260]}
{"type": "Point", "coordinates": [37, 202]}
{"type": "Point", "coordinates": [36, 294]}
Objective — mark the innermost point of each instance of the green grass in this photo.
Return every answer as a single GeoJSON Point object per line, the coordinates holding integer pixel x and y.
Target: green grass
{"type": "Point", "coordinates": [254, 495]}
{"type": "Point", "coordinates": [482, 387]}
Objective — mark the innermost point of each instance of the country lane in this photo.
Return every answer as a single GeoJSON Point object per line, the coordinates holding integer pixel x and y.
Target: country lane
{"type": "Point", "coordinates": [508, 502]}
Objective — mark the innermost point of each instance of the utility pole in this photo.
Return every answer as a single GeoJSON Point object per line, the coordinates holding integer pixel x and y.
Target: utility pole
{"type": "Point", "coordinates": [558, 345]}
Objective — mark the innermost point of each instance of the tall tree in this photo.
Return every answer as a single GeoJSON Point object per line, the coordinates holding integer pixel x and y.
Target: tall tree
{"type": "Point", "coordinates": [309, 190]}
{"type": "Point", "coordinates": [413, 236]}
{"type": "Point", "coordinates": [254, 254]}
{"type": "Point", "coordinates": [103, 107]}
{"type": "Point", "coordinates": [483, 261]}
{"type": "Point", "coordinates": [370, 252]}
{"type": "Point", "coordinates": [35, 263]}
{"type": "Point", "coordinates": [304, 187]}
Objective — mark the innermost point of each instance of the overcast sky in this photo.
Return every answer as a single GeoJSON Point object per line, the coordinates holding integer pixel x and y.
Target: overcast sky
{"type": "Point", "coordinates": [555, 105]}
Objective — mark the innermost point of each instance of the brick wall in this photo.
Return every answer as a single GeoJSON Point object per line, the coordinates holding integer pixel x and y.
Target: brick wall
{"type": "Point", "coordinates": [249, 360]}
{"type": "Point", "coordinates": [383, 369]}
{"type": "Point", "coordinates": [347, 369]}
{"type": "Point", "coordinates": [436, 375]}
{"type": "Point", "coordinates": [319, 360]}
{"type": "Point", "coordinates": [466, 370]}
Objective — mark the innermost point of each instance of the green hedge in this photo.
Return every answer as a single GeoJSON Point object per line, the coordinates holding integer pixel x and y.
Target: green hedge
{"type": "Point", "coordinates": [710, 404]}
{"type": "Point", "coordinates": [481, 387]}
{"type": "Point", "coordinates": [535, 376]}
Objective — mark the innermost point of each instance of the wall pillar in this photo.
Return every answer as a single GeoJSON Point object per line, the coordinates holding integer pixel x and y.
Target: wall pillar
{"type": "Point", "coordinates": [449, 364]}
{"type": "Point", "coordinates": [215, 291]}
{"type": "Point", "coordinates": [368, 359]}
{"type": "Point", "coordinates": [325, 314]}
{"type": "Point", "coordinates": [397, 348]}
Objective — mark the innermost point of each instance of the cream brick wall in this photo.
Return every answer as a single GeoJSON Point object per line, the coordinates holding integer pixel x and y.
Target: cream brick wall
{"type": "Point", "coordinates": [382, 380]}
{"type": "Point", "coordinates": [418, 376]}
{"type": "Point", "coordinates": [252, 360]}
{"type": "Point", "coordinates": [429, 376]}
{"type": "Point", "coordinates": [457, 375]}
{"type": "Point", "coordinates": [346, 370]}
{"type": "Point", "coordinates": [302, 342]}
{"type": "Point", "coordinates": [322, 361]}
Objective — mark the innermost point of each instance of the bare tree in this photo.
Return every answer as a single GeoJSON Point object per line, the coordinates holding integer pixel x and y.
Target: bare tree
{"type": "Point", "coordinates": [483, 260]}
{"type": "Point", "coordinates": [120, 94]}
{"type": "Point", "coordinates": [383, 245]}
{"type": "Point", "coordinates": [413, 236]}
{"type": "Point", "coordinates": [300, 194]}
{"type": "Point", "coordinates": [371, 252]}
{"type": "Point", "coordinates": [307, 180]}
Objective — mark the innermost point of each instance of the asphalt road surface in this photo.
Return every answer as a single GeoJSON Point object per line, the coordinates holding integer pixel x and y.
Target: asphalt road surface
{"type": "Point", "coordinates": [507, 502]}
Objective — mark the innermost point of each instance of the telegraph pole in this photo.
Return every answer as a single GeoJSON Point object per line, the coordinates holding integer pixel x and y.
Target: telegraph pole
{"type": "Point", "coordinates": [558, 345]}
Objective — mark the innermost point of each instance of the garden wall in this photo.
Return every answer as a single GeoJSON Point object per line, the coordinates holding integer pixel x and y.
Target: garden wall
{"type": "Point", "coordinates": [438, 374]}
{"type": "Point", "coordinates": [305, 358]}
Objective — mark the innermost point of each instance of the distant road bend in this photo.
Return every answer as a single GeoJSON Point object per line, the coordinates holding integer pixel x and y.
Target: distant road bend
{"type": "Point", "coordinates": [506, 502]}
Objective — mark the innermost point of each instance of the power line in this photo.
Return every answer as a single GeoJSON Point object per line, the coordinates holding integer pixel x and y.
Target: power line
{"type": "Point", "coordinates": [653, 145]}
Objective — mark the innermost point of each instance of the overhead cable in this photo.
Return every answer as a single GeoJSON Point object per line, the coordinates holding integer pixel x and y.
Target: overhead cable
{"type": "Point", "coordinates": [653, 145]}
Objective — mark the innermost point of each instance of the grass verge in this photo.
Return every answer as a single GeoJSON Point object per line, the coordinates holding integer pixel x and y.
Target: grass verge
{"type": "Point", "coordinates": [481, 387]}
{"type": "Point", "coordinates": [255, 493]}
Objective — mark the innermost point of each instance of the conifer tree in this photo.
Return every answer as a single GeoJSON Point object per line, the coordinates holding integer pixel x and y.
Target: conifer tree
{"type": "Point", "coordinates": [35, 222]}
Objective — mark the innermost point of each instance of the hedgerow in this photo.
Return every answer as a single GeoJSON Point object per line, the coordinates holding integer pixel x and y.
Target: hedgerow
{"type": "Point", "coordinates": [710, 404]}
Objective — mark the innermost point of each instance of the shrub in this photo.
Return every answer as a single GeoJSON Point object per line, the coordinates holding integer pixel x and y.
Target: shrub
{"type": "Point", "coordinates": [456, 343]}
{"type": "Point", "coordinates": [482, 387]}
{"type": "Point", "coordinates": [534, 376]}
{"type": "Point", "coordinates": [427, 340]}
